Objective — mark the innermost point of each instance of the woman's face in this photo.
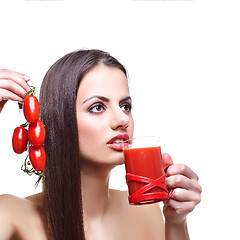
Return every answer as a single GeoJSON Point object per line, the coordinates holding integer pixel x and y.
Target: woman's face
{"type": "Point", "coordinates": [104, 115]}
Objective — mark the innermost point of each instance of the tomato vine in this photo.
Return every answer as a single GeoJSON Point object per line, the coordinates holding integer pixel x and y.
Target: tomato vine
{"type": "Point", "coordinates": [33, 140]}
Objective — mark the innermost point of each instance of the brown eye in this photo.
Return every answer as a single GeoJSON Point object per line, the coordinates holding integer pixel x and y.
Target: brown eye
{"type": "Point", "coordinates": [97, 108]}
{"type": "Point", "coordinates": [126, 107]}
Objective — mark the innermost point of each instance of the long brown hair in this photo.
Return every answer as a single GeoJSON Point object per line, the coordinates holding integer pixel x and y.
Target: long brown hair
{"type": "Point", "coordinates": [62, 183]}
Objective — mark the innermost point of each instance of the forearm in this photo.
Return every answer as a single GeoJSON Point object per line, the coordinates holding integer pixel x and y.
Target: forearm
{"type": "Point", "coordinates": [176, 231]}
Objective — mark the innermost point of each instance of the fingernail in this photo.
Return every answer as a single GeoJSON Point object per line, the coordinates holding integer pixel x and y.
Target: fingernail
{"type": "Point", "coordinates": [26, 77]}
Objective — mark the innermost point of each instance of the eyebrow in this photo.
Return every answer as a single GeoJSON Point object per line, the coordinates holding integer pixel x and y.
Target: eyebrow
{"type": "Point", "coordinates": [125, 99]}
{"type": "Point", "coordinates": [106, 99]}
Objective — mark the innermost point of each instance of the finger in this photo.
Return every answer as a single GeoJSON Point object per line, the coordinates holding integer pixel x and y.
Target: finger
{"type": "Point", "coordinates": [180, 207]}
{"type": "Point", "coordinates": [13, 87]}
{"type": "Point", "coordinates": [179, 181]}
{"type": "Point", "coordinates": [18, 78]}
{"type": "Point", "coordinates": [166, 160]}
{"type": "Point", "coordinates": [183, 195]}
{"type": "Point", "coordinates": [181, 169]}
{"type": "Point", "coordinates": [6, 95]}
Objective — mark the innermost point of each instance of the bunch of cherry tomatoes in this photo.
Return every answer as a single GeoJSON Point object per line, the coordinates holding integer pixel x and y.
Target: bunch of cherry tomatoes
{"type": "Point", "coordinates": [30, 136]}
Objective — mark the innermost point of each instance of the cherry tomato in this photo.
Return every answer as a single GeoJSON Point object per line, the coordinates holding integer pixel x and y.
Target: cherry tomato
{"type": "Point", "coordinates": [19, 139]}
{"type": "Point", "coordinates": [36, 133]}
{"type": "Point", "coordinates": [37, 157]}
{"type": "Point", "coordinates": [31, 108]}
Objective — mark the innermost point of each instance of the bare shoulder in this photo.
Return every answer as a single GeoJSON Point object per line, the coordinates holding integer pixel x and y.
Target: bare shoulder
{"type": "Point", "coordinates": [17, 215]}
{"type": "Point", "coordinates": [11, 208]}
{"type": "Point", "coordinates": [6, 225]}
{"type": "Point", "coordinates": [10, 204]}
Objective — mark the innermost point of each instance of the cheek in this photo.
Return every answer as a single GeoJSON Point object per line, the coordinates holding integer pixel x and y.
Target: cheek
{"type": "Point", "coordinates": [131, 128]}
{"type": "Point", "coordinates": [90, 135]}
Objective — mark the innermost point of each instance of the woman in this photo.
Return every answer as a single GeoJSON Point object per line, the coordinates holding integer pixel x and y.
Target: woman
{"type": "Point", "coordinates": [85, 103]}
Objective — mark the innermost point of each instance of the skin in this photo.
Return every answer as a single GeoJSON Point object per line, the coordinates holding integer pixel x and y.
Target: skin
{"type": "Point", "coordinates": [13, 86]}
{"type": "Point", "coordinates": [102, 119]}
{"type": "Point", "coordinates": [107, 214]}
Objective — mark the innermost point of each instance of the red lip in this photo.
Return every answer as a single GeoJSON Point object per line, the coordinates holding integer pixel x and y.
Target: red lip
{"type": "Point", "coordinates": [117, 146]}
{"type": "Point", "coordinates": [123, 137]}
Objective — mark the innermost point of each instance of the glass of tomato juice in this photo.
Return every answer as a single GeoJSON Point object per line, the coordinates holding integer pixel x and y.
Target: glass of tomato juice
{"type": "Point", "coordinates": [145, 173]}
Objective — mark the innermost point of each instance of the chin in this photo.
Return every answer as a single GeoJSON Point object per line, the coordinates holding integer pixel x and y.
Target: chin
{"type": "Point", "coordinates": [118, 163]}
{"type": "Point", "coordinates": [117, 158]}
{"type": "Point", "coordinates": [110, 158]}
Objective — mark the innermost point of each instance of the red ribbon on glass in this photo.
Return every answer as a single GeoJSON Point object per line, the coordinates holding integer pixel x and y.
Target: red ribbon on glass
{"type": "Point", "coordinates": [142, 195]}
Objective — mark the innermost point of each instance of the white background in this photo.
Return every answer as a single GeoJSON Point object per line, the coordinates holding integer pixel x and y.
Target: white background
{"type": "Point", "coordinates": [183, 59]}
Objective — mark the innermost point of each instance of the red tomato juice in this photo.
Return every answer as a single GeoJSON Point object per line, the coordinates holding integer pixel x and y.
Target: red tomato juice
{"type": "Point", "coordinates": [146, 162]}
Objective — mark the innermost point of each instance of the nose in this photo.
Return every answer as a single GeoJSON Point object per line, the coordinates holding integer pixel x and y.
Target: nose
{"type": "Point", "coordinates": [119, 120]}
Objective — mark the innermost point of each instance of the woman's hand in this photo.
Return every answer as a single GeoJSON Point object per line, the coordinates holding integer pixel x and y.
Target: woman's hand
{"type": "Point", "coordinates": [13, 86]}
{"type": "Point", "coordinates": [186, 194]}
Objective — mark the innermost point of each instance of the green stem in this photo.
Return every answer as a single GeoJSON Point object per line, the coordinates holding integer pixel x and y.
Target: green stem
{"type": "Point", "coordinates": [32, 91]}
{"type": "Point", "coordinates": [24, 124]}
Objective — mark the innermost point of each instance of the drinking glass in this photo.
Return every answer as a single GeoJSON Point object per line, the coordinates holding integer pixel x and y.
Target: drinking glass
{"type": "Point", "coordinates": [145, 173]}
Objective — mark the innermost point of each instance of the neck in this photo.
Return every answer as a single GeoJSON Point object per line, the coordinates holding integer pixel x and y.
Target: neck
{"type": "Point", "coordinates": [95, 191]}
